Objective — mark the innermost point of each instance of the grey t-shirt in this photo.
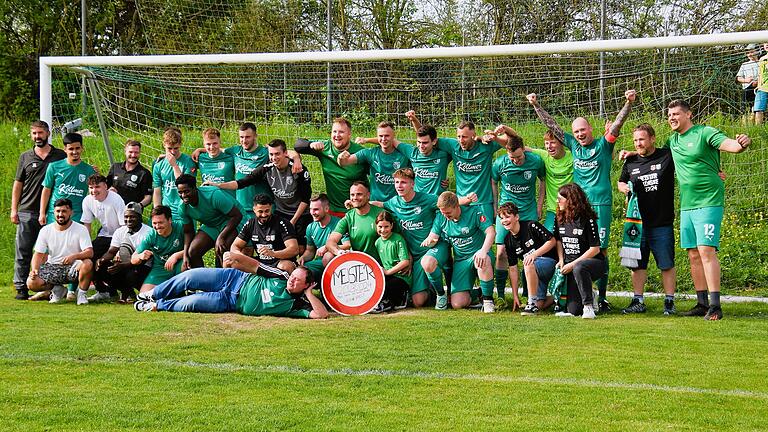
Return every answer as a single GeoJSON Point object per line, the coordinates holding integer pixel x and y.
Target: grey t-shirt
{"type": "Point", "coordinates": [289, 189]}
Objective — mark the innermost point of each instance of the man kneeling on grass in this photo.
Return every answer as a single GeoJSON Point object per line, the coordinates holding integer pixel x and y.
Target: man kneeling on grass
{"type": "Point", "coordinates": [270, 291]}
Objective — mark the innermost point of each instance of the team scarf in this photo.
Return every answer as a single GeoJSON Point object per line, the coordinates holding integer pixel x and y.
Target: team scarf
{"type": "Point", "coordinates": [633, 232]}
{"type": "Point", "coordinates": [558, 290]}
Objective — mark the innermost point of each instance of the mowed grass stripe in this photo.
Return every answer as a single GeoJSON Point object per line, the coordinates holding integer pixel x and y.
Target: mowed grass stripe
{"type": "Point", "coordinates": [351, 372]}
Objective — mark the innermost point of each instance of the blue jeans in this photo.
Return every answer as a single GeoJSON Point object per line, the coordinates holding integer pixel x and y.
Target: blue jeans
{"type": "Point", "coordinates": [219, 287]}
{"type": "Point", "coordinates": [545, 269]}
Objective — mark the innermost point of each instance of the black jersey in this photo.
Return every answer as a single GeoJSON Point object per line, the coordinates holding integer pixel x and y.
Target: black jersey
{"type": "Point", "coordinates": [30, 171]}
{"type": "Point", "coordinates": [577, 237]}
{"type": "Point", "coordinates": [131, 185]}
{"type": "Point", "coordinates": [653, 180]}
{"type": "Point", "coordinates": [532, 235]}
{"type": "Point", "coordinates": [272, 234]}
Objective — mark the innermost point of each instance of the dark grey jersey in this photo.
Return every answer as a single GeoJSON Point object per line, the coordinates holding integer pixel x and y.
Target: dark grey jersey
{"type": "Point", "coordinates": [289, 189]}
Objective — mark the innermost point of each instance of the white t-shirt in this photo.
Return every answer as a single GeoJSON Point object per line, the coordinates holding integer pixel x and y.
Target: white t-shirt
{"type": "Point", "coordinates": [59, 244]}
{"type": "Point", "coordinates": [122, 236]}
{"type": "Point", "coordinates": [109, 213]}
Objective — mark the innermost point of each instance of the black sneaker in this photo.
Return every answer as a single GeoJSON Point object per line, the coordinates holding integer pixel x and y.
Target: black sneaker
{"type": "Point", "coordinates": [603, 306]}
{"type": "Point", "coordinates": [22, 294]}
{"type": "Point", "coordinates": [698, 310]}
{"type": "Point", "coordinates": [669, 307]}
{"type": "Point", "coordinates": [383, 306]}
{"type": "Point", "coordinates": [529, 309]}
{"type": "Point", "coordinates": [636, 306]}
{"type": "Point", "coordinates": [144, 306]}
{"type": "Point", "coordinates": [714, 314]}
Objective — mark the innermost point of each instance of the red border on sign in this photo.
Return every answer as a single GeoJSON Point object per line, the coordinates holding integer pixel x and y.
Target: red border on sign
{"type": "Point", "coordinates": [378, 292]}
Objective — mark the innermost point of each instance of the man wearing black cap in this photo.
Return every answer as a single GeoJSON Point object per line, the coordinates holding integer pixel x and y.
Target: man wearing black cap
{"type": "Point", "coordinates": [115, 266]}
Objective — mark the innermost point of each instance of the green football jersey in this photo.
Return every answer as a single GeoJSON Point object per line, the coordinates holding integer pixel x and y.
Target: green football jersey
{"type": "Point", "coordinates": [212, 208]}
{"type": "Point", "coordinates": [338, 179]}
{"type": "Point", "coordinates": [245, 163]}
{"type": "Point", "coordinates": [559, 172]}
{"type": "Point", "coordinates": [381, 167]}
{"type": "Point", "coordinates": [465, 235]}
{"type": "Point", "coordinates": [415, 219]}
{"type": "Point", "coordinates": [267, 296]}
{"type": "Point", "coordinates": [164, 178]}
{"type": "Point", "coordinates": [472, 168]}
{"type": "Point", "coordinates": [592, 168]}
{"type": "Point", "coordinates": [217, 170]}
{"type": "Point", "coordinates": [517, 183]}
{"type": "Point", "coordinates": [163, 247]}
{"type": "Point", "coordinates": [430, 169]}
{"type": "Point", "coordinates": [317, 235]}
{"type": "Point", "coordinates": [361, 230]}
{"type": "Point", "coordinates": [697, 163]}
{"type": "Point", "coordinates": [392, 251]}
{"type": "Point", "coordinates": [67, 181]}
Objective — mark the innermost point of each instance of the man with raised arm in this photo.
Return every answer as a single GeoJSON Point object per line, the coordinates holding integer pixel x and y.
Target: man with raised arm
{"type": "Point", "coordinates": [25, 201]}
{"type": "Point", "coordinates": [430, 164]}
{"type": "Point", "coordinates": [652, 174]}
{"type": "Point", "coordinates": [381, 161]}
{"type": "Point", "coordinates": [323, 224]}
{"type": "Point", "coordinates": [592, 170]}
{"type": "Point", "coordinates": [220, 217]}
{"type": "Point", "coordinates": [271, 236]}
{"type": "Point", "coordinates": [215, 165]}
{"type": "Point", "coordinates": [167, 169]}
{"type": "Point", "coordinates": [256, 290]}
{"type": "Point", "coordinates": [472, 164]}
{"type": "Point", "coordinates": [359, 224]}
{"type": "Point", "coordinates": [471, 235]}
{"type": "Point", "coordinates": [292, 190]}
{"type": "Point", "coordinates": [129, 178]}
{"type": "Point", "coordinates": [515, 176]}
{"type": "Point", "coordinates": [62, 255]}
{"type": "Point", "coordinates": [338, 179]}
{"type": "Point", "coordinates": [696, 152]}
{"type": "Point", "coordinates": [415, 214]}
{"type": "Point", "coordinates": [66, 178]}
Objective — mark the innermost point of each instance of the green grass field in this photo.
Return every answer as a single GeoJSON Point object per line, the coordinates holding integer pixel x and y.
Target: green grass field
{"type": "Point", "coordinates": [107, 367]}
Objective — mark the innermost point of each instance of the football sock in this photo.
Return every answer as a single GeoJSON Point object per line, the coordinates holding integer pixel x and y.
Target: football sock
{"type": "Point", "coordinates": [501, 282]}
{"type": "Point", "coordinates": [436, 279]}
{"type": "Point", "coordinates": [714, 298]}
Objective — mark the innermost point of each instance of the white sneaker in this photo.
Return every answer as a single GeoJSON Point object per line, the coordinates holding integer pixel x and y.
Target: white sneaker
{"type": "Point", "coordinates": [82, 298]}
{"type": "Point", "coordinates": [563, 314]}
{"type": "Point", "coordinates": [58, 294]}
{"type": "Point", "coordinates": [589, 312]}
{"type": "Point", "coordinates": [71, 296]}
{"type": "Point", "coordinates": [99, 297]}
{"type": "Point", "coordinates": [488, 306]}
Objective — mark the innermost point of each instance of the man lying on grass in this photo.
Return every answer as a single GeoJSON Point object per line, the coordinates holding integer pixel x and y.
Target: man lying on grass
{"type": "Point", "coordinates": [270, 291]}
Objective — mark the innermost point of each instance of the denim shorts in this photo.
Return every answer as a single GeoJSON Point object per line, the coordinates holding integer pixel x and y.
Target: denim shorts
{"type": "Point", "coordinates": [661, 242]}
{"type": "Point", "coordinates": [761, 101]}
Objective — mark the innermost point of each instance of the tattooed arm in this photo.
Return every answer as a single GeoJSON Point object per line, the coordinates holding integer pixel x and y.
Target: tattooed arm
{"type": "Point", "coordinates": [546, 118]}
{"type": "Point", "coordinates": [623, 114]}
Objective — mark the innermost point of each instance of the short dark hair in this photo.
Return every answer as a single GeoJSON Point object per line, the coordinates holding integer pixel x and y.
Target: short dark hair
{"type": "Point", "coordinates": [263, 199]}
{"type": "Point", "coordinates": [278, 143]}
{"type": "Point", "coordinates": [40, 124]}
{"type": "Point", "coordinates": [63, 202]}
{"type": "Point", "coordinates": [645, 127]}
{"type": "Point", "coordinates": [360, 183]}
{"type": "Point", "coordinates": [187, 179]}
{"type": "Point", "coordinates": [515, 142]}
{"type": "Point", "coordinates": [679, 103]}
{"type": "Point", "coordinates": [95, 179]}
{"type": "Point", "coordinates": [247, 125]}
{"type": "Point", "coordinates": [72, 138]}
{"type": "Point", "coordinates": [132, 143]}
{"type": "Point", "coordinates": [385, 216]}
{"type": "Point", "coordinates": [509, 208]}
{"type": "Point", "coordinates": [323, 198]}
{"type": "Point", "coordinates": [309, 277]}
{"type": "Point", "coordinates": [427, 130]}
{"type": "Point", "coordinates": [161, 210]}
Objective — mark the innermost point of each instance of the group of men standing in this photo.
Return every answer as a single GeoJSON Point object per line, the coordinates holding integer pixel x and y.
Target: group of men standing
{"type": "Point", "coordinates": [255, 208]}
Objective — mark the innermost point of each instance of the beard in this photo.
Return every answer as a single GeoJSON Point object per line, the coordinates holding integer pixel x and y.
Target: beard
{"type": "Point", "coordinates": [41, 143]}
{"type": "Point", "coordinates": [62, 222]}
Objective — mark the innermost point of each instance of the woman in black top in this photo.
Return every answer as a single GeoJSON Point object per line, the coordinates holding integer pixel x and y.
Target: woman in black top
{"type": "Point", "coordinates": [578, 248]}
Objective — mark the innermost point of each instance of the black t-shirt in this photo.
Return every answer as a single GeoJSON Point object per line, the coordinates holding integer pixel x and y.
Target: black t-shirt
{"type": "Point", "coordinates": [272, 234]}
{"type": "Point", "coordinates": [30, 171]}
{"type": "Point", "coordinates": [577, 237]}
{"type": "Point", "coordinates": [131, 185]}
{"type": "Point", "coordinates": [653, 179]}
{"type": "Point", "coordinates": [532, 235]}
{"type": "Point", "coordinates": [289, 189]}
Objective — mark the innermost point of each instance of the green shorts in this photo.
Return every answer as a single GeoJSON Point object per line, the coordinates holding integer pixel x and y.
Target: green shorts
{"type": "Point", "coordinates": [700, 227]}
{"type": "Point", "coordinates": [465, 273]}
{"type": "Point", "coordinates": [603, 224]}
{"type": "Point", "coordinates": [501, 232]}
{"type": "Point", "coordinates": [316, 267]}
{"type": "Point", "coordinates": [159, 274]}
{"type": "Point", "coordinates": [440, 252]}
{"type": "Point", "coordinates": [486, 209]}
{"type": "Point", "coordinates": [549, 221]}
{"type": "Point", "coordinates": [214, 231]}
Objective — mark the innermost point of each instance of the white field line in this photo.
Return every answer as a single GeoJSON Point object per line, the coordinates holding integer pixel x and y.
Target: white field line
{"type": "Point", "coordinates": [348, 372]}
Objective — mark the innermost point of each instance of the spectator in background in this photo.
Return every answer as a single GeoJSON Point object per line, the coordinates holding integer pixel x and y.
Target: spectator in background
{"type": "Point", "coordinates": [761, 94]}
{"type": "Point", "coordinates": [129, 178]}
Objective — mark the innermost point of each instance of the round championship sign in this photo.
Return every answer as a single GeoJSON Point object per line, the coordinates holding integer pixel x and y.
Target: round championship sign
{"type": "Point", "coordinates": [353, 283]}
